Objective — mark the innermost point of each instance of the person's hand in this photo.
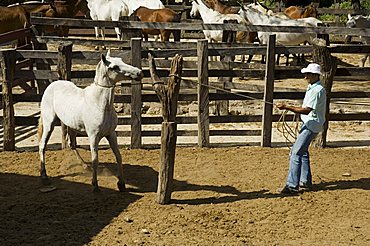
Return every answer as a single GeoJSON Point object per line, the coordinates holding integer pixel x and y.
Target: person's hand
{"type": "Point", "coordinates": [281, 106]}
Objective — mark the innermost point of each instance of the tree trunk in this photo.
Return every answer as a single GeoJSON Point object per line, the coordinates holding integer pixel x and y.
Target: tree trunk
{"type": "Point", "coordinates": [168, 96]}
{"type": "Point", "coordinates": [322, 56]}
{"type": "Point", "coordinates": [356, 4]}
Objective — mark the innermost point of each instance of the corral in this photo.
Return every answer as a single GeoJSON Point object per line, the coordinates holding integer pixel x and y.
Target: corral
{"type": "Point", "coordinates": [223, 196]}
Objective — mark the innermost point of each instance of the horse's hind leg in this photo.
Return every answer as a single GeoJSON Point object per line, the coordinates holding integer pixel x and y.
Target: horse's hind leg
{"type": "Point", "coordinates": [73, 144]}
{"type": "Point", "coordinates": [45, 128]}
{"type": "Point", "coordinates": [176, 35]}
{"type": "Point", "coordinates": [112, 139]}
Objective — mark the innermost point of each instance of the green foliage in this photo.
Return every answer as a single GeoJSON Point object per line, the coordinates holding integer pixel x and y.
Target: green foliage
{"type": "Point", "coordinates": [365, 4]}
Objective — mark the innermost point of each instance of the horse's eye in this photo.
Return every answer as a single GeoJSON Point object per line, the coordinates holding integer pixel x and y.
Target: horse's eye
{"type": "Point", "coordinates": [116, 68]}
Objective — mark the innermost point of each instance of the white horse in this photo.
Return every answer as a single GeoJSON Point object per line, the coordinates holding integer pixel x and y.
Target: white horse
{"type": "Point", "coordinates": [360, 22]}
{"type": "Point", "coordinates": [210, 16]}
{"type": "Point", "coordinates": [257, 18]}
{"type": "Point", "coordinates": [107, 10]}
{"type": "Point", "coordinates": [88, 111]}
{"type": "Point", "coordinates": [259, 7]}
{"type": "Point", "coordinates": [112, 10]}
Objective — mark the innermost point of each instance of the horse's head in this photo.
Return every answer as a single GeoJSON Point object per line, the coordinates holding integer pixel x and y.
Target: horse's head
{"type": "Point", "coordinates": [113, 69]}
{"type": "Point", "coordinates": [246, 10]}
{"type": "Point", "coordinates": [351, 21]}
{"type": "Point", "coordinates": [259, 7]}
{"type": "Point", "coordinates": [310, 11]}
{"type": "Point", "coordinates": [194, 12]}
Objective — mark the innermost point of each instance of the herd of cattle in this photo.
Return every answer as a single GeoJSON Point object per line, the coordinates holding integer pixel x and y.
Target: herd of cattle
{"type": "Point", "coordinates": [17, 16]}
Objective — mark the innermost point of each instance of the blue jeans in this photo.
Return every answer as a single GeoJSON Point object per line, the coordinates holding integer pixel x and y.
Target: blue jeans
{"type": "Point", "coordinates": [299, 168]}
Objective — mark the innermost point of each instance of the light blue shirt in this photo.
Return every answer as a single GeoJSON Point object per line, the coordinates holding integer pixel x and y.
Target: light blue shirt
{"type": "Point", "coordinates": [315, 98]}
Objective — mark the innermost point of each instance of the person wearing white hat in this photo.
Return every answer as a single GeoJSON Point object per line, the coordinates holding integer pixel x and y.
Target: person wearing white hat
{"type": "Point", "coordinates": [312, 114]}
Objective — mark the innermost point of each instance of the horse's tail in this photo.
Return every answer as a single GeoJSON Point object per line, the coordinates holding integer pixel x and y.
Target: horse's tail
{"type": "Point", "coordinates": [39, 129]}
{"type": "Point", "coordinates": [176, 33]}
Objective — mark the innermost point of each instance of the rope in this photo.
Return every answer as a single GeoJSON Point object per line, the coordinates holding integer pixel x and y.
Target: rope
{"type": "Point", "coordinates": [286, 130]}
{"type": "Point", "coordinates": [290, 133]}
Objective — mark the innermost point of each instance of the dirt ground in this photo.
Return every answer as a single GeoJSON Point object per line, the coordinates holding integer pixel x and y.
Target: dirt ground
{"type": "Point", "coordinates": [222, 196]}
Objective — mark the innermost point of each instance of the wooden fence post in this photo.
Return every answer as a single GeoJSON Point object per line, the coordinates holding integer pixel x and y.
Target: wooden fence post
{"type": "Point", "coordinates": [128, 34]}
{"type": "Point", "coordinates": [203, 94]}
{"type": "Point", "coordinates": [7, 69]}
{"type": "Point", "coordinates": [40, 64]}
{"type": "Point", "coordinates": [168, 96]}
{"type": "Point", "coordinates": [321, 55]}
{"type": "Point", "coordinates": [136, 101]}
{"type": "Point", "coordinates": [229, 37]}
{"type": "Point", "coordinates": [64, 68]}
{"type": "Point", "coordinates": [269, 93]}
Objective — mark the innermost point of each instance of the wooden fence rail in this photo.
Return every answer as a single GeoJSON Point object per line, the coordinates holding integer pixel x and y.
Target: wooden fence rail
{"type": "Point", "coordinates": [197, 26]}
{"type": "Point", "coordinates": [203, 132]}
{"type": "Point", "coordinates": [201, 69]}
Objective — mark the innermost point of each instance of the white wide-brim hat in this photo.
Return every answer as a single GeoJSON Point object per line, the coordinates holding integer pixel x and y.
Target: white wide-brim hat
{"type": "Point", "coordinates": [312, 68]}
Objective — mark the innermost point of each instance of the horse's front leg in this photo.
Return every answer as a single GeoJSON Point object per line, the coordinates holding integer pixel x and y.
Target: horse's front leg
{"type": "Point", "coordinates": [103, 36]}
{"type": "Point", "coordinates": [95, 161]}
{"type": "Point", "coordinates": [112, 139]}
{"type": "Point", "coordinates": [363, 60]}
{"type": "Point", "coordinates": [118, 32]}
{"type": "Point", "coordinates": [97, 36]}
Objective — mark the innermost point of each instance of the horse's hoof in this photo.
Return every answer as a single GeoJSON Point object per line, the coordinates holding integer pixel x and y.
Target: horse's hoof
{"type": "Point", "coordinates": [121, 186]}
{"type": "Point", "coordinates": [96, 189]}
{"type": "Point", "coordinates": [45, 181]}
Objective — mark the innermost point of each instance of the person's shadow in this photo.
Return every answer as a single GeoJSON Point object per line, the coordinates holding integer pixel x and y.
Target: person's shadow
{"type": "Point", "coordinates": [144, 179]}
{"type": "Point", "coordinates": [362, 183]}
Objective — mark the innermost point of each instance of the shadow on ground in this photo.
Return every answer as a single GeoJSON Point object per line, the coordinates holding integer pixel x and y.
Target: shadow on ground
{"type": "Point", "coordinates": [70, 215]}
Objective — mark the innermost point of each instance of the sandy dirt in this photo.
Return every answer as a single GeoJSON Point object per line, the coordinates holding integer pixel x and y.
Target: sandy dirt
{"type": "Point", "coordinates": [222, 196]}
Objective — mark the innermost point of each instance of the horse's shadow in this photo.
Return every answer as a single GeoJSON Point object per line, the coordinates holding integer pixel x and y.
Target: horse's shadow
{"type": "Point", "coordinates": [33, 215]}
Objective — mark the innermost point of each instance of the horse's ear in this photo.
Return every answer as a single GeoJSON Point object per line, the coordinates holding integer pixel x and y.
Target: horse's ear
{"type": "Point", "coordinates": [349, 16]}
{"type": "Point", "coordinates": [108, 52]}
{"type": "Point", "coordinates": [103, 58]}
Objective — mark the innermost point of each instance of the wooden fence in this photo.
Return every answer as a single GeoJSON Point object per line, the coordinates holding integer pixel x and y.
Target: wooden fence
{"type": "Point", "coordinates": [135, 52]}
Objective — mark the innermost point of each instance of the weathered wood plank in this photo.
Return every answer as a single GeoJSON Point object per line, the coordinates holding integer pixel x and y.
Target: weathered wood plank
{"type": "Point", "coordinates": [30, 120]}
{"type": "Point", "coordinates": [7, 70]}
{"type": "Point", "coordinates": [268, 93]}
{"type": "Point", "coordinates": [136, 96]}
{"type": "Point", "coordinates": [198, 26]}
{"type": "Point", "coordinates": [203, 96]}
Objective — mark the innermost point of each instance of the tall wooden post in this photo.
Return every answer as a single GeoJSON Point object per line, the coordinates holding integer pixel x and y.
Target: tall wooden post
{"type": "Point", "coordinates": [229, 37]}
{"type": "Point", "coordinates": [41, 64]}
{"type": "Point", "coordinates": [7, 69]}
{"type": "Point", "coordinates": [64, 68]}
{"type": "Point", "coordinates": [136, 101]}
{"type": "Point", "coordinates": [269, 93]}
{"type": "Point", "coordinates": [203, 94]}
{"type": "Point", "coordinates": [322, 56]}
{"type": "Point", "coordinates": [168, 95]}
